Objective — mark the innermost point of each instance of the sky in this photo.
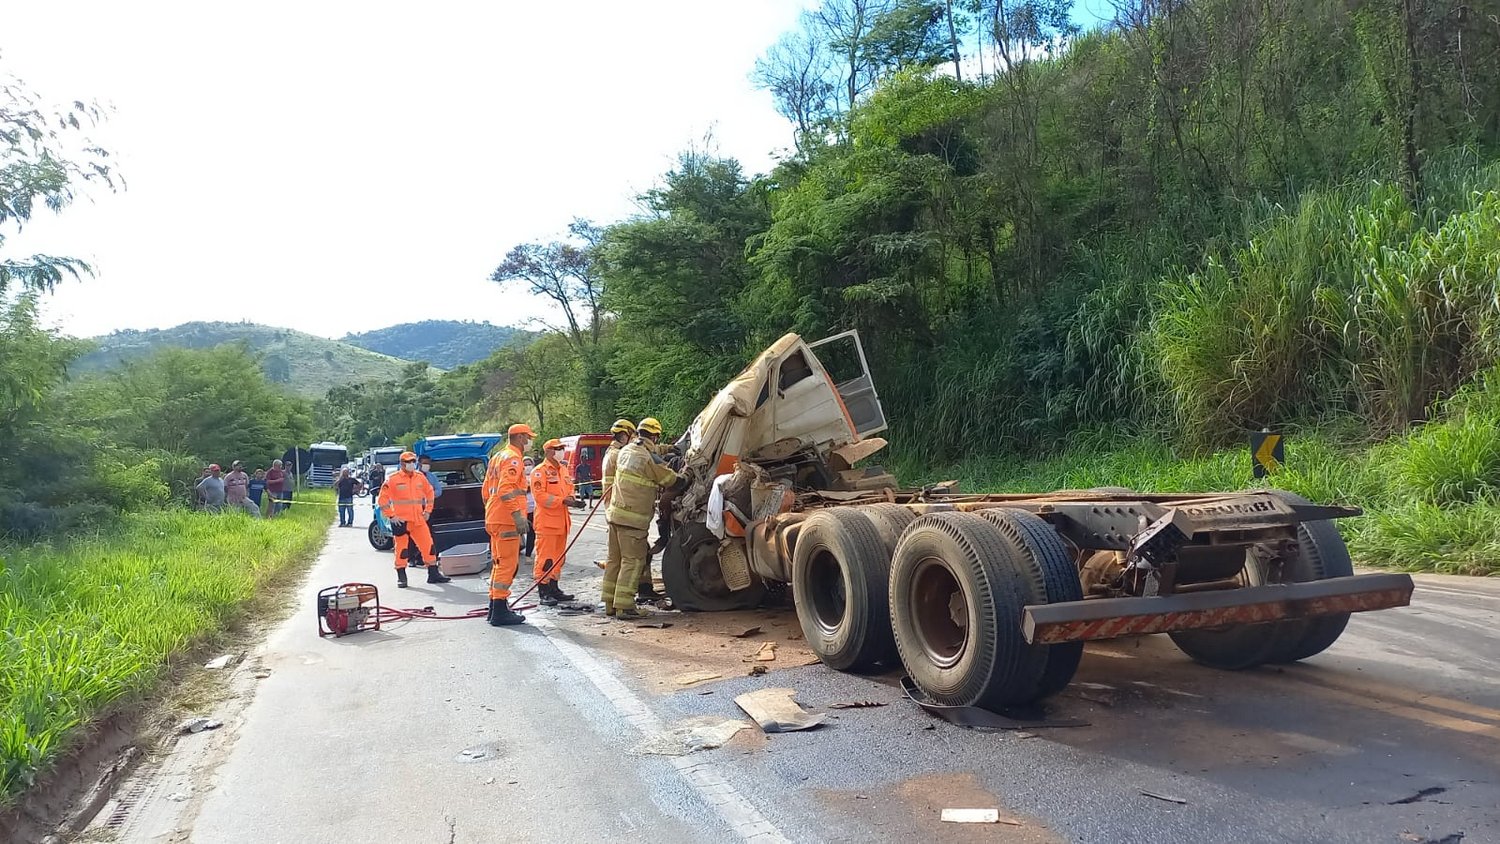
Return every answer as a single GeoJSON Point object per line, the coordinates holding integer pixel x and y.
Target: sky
{"type": "Point", "coordinates": [339, 166]}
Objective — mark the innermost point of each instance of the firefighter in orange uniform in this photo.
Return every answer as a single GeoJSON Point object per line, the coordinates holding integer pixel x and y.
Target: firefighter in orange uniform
{"type": "Point", "coordinates": [552, 488]}
{"type": "Point", "coordinates": [505, 520]}
{"type": "Point", "coordinates": [406, 502]}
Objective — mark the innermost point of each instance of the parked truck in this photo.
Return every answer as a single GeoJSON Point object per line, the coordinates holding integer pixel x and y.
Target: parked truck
{"type": "Point", "coordinates": [985, 600]}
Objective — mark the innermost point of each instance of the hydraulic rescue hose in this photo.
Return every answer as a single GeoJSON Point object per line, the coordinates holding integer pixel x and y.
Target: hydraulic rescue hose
{"type": "Point", "coordinates": [548, 569]}
{"type": "Point", "coordinates": [393, 614]}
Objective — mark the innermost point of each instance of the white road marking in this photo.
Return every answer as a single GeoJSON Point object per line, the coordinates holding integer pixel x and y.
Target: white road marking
{"type": "Point", "coordinates": [699, 772]}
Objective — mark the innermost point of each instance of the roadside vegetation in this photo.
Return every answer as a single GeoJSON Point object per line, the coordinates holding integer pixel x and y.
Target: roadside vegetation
{"type": "Point", "coordinates": [93, 622]}
{"type": "Point", "coordinates": [106, 575]}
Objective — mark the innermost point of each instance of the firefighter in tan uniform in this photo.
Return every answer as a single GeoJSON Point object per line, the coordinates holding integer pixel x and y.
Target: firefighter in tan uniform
{"type": "Point", "coordinates": [638, 476]}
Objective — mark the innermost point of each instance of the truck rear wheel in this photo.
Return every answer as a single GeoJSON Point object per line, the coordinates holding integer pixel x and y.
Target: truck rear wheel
{"type": "Point", "coordinates": [694, 581]}
{"type": "Point", "coordinates": [1054, 579]}
{"type": "Point", "coordinates": [840, 587]}
{"type": "Point", "coordinates": [889, 519]}
{"type": "Point", "coordinates": [1321, 554]}
{"type": "Point", "coordinates": [957, 587]}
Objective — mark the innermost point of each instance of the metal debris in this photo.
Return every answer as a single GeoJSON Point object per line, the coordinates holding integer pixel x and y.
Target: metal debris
{"type": "Point", "coordinates": [856, 704]}
{"type": "Point", "coordinates": [1167, 797]}
{"type": "Point", "coordinates": [776, 711]}
{"type": "Point", "coordinates": [656, 625]}
{"type": "Point", "coordinates": [748, 633]}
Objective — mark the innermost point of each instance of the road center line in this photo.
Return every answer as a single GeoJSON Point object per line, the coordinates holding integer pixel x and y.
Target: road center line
{"type": "Point", "coordinates": [702, 774]}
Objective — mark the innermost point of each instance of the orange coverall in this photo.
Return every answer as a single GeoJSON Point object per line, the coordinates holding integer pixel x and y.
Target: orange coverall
{"type": "Point", "coordinates": [408, 496]}
{"type": "Point", "coordinates": [551, 485]}
{"type": "Point", "coordinates": [504, 495]}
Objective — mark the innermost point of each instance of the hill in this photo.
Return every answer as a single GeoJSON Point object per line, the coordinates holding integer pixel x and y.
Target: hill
{"type": "Point", "coordinates": [306, 364]}
{"type": "Point", "coordinates": [444, 343]}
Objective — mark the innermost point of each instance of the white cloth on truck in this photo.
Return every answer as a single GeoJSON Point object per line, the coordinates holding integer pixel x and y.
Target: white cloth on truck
{"type": "Point", "coordinates": [715, 519]}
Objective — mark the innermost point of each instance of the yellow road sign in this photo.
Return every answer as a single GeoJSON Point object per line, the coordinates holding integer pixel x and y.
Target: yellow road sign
{"type": "Point", "coordinates": [1267, 453]}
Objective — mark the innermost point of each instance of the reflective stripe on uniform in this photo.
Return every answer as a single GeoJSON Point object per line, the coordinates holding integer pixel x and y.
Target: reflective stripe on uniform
{"type": "Point", "coordinates": [512, 494]}
{"type": "Point", "coordinates": [509, 534]}
{"type": "Point", "coordinates": [638, 480]}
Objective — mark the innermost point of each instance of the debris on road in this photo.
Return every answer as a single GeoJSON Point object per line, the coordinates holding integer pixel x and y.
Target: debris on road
{"type": "Point", "coordinates": [748, 633]}
{"type": "Point", "coordinates": [757, 670]}
{"type": "Point", "coordinates": [856, 704]}
{"type": "Point", "coordinates": [767, 652]}
{"type": "Point", "coordinates": [984, 719]}
{"type": "Point", "coordinates": [198, 725]}
{"type": "Point", "coordinates": [1419, 796]}
{"type": "Point", "coordinates": [776, 711]}
{"type": "Point", "coordinates": [218, 662]}
{"type": "Point", "coordinates": [1167, 797]}
{"type": "Point", "coordinates": [656, 625]}
{"type": "Point", "coordinates": [177, 797]}
{"type": "Point", "coordinates": [976, 816]}
{"type": "Point", "coordinates": [261, 673]}
{"type": "Point", "coordinates": [696, 677]}
{"type": "Point", "coordinates": [695, 734]}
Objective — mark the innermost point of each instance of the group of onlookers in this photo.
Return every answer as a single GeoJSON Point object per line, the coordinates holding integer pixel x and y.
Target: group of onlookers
{"type": "Point", "coordinates": [267, 491]}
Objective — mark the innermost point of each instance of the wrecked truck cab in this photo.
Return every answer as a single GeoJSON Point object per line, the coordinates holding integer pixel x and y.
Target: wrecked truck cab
{"type": "Point", "coordinates": [798, 418]}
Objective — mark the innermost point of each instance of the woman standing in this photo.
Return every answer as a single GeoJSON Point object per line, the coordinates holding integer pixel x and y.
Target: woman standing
{"type": "Point", "coordinates": [347, 486]}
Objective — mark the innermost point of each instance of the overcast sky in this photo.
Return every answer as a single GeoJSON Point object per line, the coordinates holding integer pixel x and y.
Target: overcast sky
{"type": "Point", "coordinates": [340, 166]}
{"type": "Point", "coordinates": [337, 166]}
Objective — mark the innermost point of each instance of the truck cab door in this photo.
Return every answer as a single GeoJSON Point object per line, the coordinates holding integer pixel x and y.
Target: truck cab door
{"type": "Point", "coordinates": [843, 358]}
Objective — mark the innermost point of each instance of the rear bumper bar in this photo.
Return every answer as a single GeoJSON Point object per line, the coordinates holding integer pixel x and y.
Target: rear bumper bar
{"type": "Point", "coordinates": [1109, 618]}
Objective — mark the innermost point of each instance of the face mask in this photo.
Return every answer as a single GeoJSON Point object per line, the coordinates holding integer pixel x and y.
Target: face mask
{"type": "Point", "coordinates": [409, 466]}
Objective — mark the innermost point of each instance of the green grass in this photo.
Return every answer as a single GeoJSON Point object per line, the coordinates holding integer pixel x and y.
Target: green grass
{"type": "Point", "coordinates": [90, 622]}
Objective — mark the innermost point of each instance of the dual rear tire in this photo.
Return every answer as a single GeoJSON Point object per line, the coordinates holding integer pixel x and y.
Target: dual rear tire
{"type": "Point", "coordinates": [941, 594]}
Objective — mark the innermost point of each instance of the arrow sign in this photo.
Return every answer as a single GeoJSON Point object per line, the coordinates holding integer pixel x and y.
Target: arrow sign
{"type": "Point", "coordinates": [1267, 453]}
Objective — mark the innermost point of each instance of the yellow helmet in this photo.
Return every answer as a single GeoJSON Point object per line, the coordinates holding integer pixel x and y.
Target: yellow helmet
{"type": "Point", "coordinates": [649, 425]}
{"type": "Point", "coordinates": [622, 426]}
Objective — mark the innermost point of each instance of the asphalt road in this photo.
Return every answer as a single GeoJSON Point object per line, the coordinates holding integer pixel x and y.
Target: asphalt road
{"type": "Point", "coordinates": [556, 731]}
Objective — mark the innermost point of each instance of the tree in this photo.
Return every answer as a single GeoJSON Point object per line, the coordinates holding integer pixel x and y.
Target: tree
{"type": "Point", "coordinates": [565, 273]}
{"type": "Point", "coordinates": [796, 72]}
{"type": "Point", "coordinates": [44, 159]}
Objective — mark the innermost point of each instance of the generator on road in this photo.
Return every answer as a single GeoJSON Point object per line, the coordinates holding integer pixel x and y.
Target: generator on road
{"type": "Point", "coordinates": [985, 600]}
{"type": "Point", "coordinates": [348, 608]}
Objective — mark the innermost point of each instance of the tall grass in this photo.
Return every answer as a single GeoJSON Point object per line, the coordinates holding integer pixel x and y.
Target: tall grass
{"type": "Point", "coordinates": [1354, 301]}
{"type": "Point", "coordinates": [89, 621]}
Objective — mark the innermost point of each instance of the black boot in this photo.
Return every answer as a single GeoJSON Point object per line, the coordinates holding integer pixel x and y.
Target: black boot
{"type": "Point", "coordinates": [401, 578]}
{"type": "Point", "coordinates": [435, 574]}
{"type": "Point", "coordinates": [502, 615]}
{"type": "Point", "coordinates": [561, 595]}
{"type": "Point", "coordinates": [548, 594]}
{"type": "Point", "coordinates": [645, 592]}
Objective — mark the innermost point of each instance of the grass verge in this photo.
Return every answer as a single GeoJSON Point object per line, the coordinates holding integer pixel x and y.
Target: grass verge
{"type": "Point", "coordinates": [92, 621]}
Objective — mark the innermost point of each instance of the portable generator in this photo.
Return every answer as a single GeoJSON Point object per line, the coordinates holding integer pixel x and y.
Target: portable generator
{"type": "Point", "coordinates": [348, 608]}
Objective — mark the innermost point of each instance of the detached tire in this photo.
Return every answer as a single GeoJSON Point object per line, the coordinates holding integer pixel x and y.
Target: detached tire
{"type": "Point", "coordinates": [957, 587]}
{"type": "Point", "coordinates": [1321, 555]}
{"type": "Point", "coordinates": [840, 588]}
{"type": "Point", "coordinates": [1054, 580]}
